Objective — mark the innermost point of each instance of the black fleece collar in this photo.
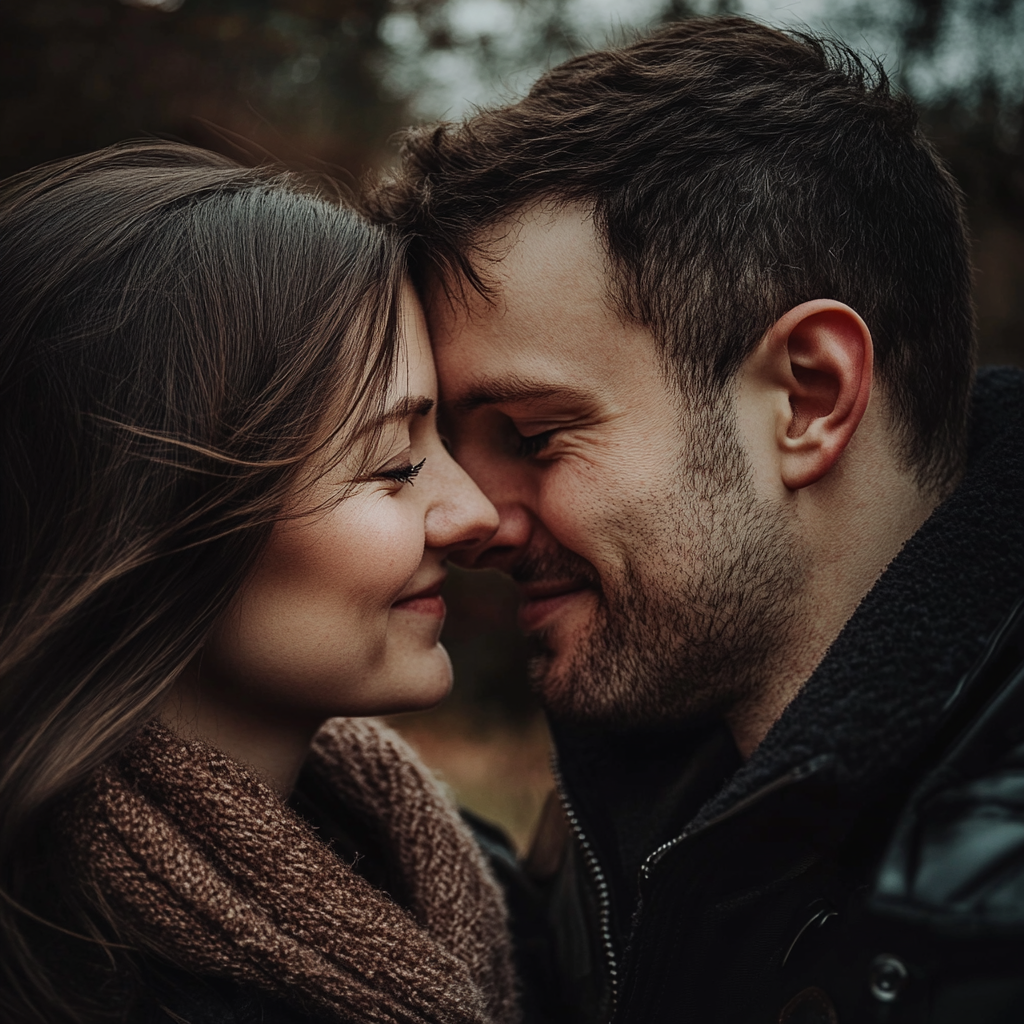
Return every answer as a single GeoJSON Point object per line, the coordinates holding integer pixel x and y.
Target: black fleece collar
{"type": "Point", "coordinates": [877, 695]}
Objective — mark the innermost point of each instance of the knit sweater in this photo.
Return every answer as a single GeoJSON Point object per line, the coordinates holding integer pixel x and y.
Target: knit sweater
{"type": "Point", "coordinates": [201, 863]}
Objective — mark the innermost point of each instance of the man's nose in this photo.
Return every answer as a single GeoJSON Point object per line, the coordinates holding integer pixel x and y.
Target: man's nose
{"type": "Point", "coordinates": [512, 535]}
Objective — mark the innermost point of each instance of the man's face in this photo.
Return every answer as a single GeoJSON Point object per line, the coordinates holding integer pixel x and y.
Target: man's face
{"type": "Point", "coordinates": [652, 578]}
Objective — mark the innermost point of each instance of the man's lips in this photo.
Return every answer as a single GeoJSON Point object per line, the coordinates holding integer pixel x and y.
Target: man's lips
{"type": "Point", "coordinates": [427, 601]}
{"type": "Point", "coordinates": [543, 598]}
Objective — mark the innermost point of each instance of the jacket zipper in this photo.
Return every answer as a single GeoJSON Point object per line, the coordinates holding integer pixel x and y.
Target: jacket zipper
{"type": "Point", "coordinates": [600, 883]}
{"type": "Point", "coordinates": [794, 775]}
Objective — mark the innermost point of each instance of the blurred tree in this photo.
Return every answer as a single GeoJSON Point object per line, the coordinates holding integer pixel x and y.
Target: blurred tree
{"type": "Point", "coordinates": [975, 116]}
{"type": "Point", "coordinates": [985, 150]}
{"type": "Point", "coordinates": [298, 78]}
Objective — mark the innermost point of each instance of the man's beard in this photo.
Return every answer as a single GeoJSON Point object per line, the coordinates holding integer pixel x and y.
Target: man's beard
{"type": "Point", "coordinates": [700, 618]}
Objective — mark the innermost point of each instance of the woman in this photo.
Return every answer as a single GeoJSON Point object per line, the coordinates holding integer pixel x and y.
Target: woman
{"type": "Point", "coordinates": [226, 510]}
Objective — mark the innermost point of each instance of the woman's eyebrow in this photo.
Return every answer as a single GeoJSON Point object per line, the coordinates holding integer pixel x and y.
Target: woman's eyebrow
{"type": "Point", "coordinates": [411, 405]}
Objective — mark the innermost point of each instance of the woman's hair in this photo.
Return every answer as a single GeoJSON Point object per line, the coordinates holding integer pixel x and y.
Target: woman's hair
{"type": "Point", "coordinates": [179, 337]}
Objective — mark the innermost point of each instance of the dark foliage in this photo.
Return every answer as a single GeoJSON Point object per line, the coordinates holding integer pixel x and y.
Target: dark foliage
{"type": "Point", "coordinates": [297, 78]}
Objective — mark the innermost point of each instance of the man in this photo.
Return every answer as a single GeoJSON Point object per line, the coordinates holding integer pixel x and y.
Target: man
{"type": "Point", "coordinates": [701, 311]}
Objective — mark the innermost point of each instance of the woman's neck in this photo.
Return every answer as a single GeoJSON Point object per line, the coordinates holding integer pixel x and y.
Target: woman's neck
{"type": "Point", "coordinates": [275, 745]}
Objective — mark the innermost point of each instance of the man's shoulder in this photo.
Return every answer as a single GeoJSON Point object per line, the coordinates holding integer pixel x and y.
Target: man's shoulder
{"type": "Point", "coordinates": [933, 931]}
{"type": "Point", "coordinates": [955, 861]}
{"type": "Point", "coordinates": [941, 936]}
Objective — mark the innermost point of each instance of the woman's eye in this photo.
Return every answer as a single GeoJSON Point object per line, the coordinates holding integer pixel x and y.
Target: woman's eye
{"type": "Point", "coordinates": [401, 474]}
{"type": "Point", "coordinates": [534, 444]}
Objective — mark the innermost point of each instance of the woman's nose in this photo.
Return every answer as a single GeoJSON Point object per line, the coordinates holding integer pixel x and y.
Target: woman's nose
{"type": "Point", "coordinates": [460, 515]}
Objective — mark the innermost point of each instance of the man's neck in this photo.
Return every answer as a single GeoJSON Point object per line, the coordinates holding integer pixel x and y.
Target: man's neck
{"type": "Point", "coordinates": [853, 530]}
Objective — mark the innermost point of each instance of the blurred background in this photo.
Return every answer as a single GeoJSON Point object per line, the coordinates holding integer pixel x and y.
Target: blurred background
{"type": "Point", "coordinates": [328, 83]}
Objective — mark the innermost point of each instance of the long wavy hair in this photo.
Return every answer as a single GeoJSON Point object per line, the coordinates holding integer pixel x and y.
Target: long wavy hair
{"type": "Point", "coordinates": [179, 337]}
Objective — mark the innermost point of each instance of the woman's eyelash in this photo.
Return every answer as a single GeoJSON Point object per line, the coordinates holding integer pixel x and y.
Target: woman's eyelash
{"type": "Point", "coordinates": [402, 474]}
{"type": "Point", "coordinates": [534, 444]}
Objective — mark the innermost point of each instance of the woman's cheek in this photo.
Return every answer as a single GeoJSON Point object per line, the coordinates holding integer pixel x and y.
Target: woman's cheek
{"type": "Point", "coordinates": [388, 550]}
{"type": "Point", "coordinates": [311, 624]}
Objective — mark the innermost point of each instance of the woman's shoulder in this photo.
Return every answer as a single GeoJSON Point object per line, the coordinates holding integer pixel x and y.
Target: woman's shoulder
{"type": "Point", "coordinates": [173, 995]}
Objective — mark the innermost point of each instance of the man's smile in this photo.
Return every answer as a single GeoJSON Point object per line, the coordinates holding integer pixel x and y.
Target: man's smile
{"type": "Point", "coordinates": [543, 599]}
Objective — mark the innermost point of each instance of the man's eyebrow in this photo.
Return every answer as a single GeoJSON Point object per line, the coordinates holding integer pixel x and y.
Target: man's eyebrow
{"type": "Point", "coordinates": [510, 388]}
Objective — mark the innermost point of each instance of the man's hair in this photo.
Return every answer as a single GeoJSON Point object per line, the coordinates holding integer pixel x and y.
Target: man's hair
{"type": "Point", "coordinates": [734, 171]}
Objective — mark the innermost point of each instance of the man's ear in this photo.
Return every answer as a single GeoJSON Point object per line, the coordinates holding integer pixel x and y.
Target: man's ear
{"type": "Point", "coordinates": [820, 355]}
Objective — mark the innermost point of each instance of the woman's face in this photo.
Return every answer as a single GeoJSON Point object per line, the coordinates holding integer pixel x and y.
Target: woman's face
{"type": "Point", "coordinates": [342, 614]}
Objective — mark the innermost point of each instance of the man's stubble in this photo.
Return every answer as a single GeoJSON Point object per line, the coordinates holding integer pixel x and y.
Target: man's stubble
{"type": "Point", "coordinates": [698, 622]}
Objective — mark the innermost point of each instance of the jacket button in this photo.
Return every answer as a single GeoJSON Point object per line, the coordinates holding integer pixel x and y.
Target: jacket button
{"type": "Point", "coordinates": [810, 1006]}
{"type": "Point", "coordinates": [888, 977]}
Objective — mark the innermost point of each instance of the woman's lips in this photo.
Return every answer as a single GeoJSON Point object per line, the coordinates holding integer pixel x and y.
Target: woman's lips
{"type": "Point", "coordinates": [542, 600]}
{"type": "Point", "coordinates": [425, 602]}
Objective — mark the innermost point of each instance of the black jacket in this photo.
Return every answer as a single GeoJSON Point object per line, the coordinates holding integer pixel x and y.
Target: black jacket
{"type": "Point", "coordinates": [867, 863]}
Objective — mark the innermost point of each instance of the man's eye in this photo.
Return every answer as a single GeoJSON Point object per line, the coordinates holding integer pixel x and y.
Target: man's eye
{"type": "Point", "coordinates": [401, 474]}
{"type": "Point", "coordinates": [534, 444]}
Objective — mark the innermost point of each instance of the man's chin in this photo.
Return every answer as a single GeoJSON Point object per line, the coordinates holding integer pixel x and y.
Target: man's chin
{"type": "Point", "coordinates": [554, 689]}
{"type": "Point", "coordinates": [583, 678]}
{"type": "Point", "coordinates": [561, 676]}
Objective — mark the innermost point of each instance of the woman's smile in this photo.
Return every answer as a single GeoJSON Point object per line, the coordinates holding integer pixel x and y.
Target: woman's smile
{"type": "Point", "coordinates": [427, 601]}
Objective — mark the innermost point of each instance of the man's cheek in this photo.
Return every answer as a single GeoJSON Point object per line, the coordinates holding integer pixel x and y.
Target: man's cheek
{"type": "Point", "coordinates": [575, 509]}
{"type": "Point", "coordinates": [593, 531]}
{"type": "Point", "coordinates": [488, 466]}
{"type": "Point", "coordinates": [568, 530]}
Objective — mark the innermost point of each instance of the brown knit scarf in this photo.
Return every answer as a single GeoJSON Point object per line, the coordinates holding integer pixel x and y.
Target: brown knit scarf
{"type": "Point", "coordinates": [197, 857]}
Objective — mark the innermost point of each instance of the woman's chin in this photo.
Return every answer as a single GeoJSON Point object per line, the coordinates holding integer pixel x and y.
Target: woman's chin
{"type": "Point", "coordinates": [419, 681]}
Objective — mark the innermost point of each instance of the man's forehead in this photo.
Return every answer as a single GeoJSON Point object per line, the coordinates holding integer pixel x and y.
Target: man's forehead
{"type": "Point", "coordinates": [543, 228]}
{"type": "Point", "coordinates": [530, 264]}
{"type": "Point", "coordinates": [547, 331]}
{"type": "Point", "coordinates": [487, 368]}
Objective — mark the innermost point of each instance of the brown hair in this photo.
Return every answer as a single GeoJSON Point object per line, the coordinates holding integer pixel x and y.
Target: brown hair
{"type": "Point", "coordinates": [178, 337]}
{"type": "Point", "coordinates": [734, 171]}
